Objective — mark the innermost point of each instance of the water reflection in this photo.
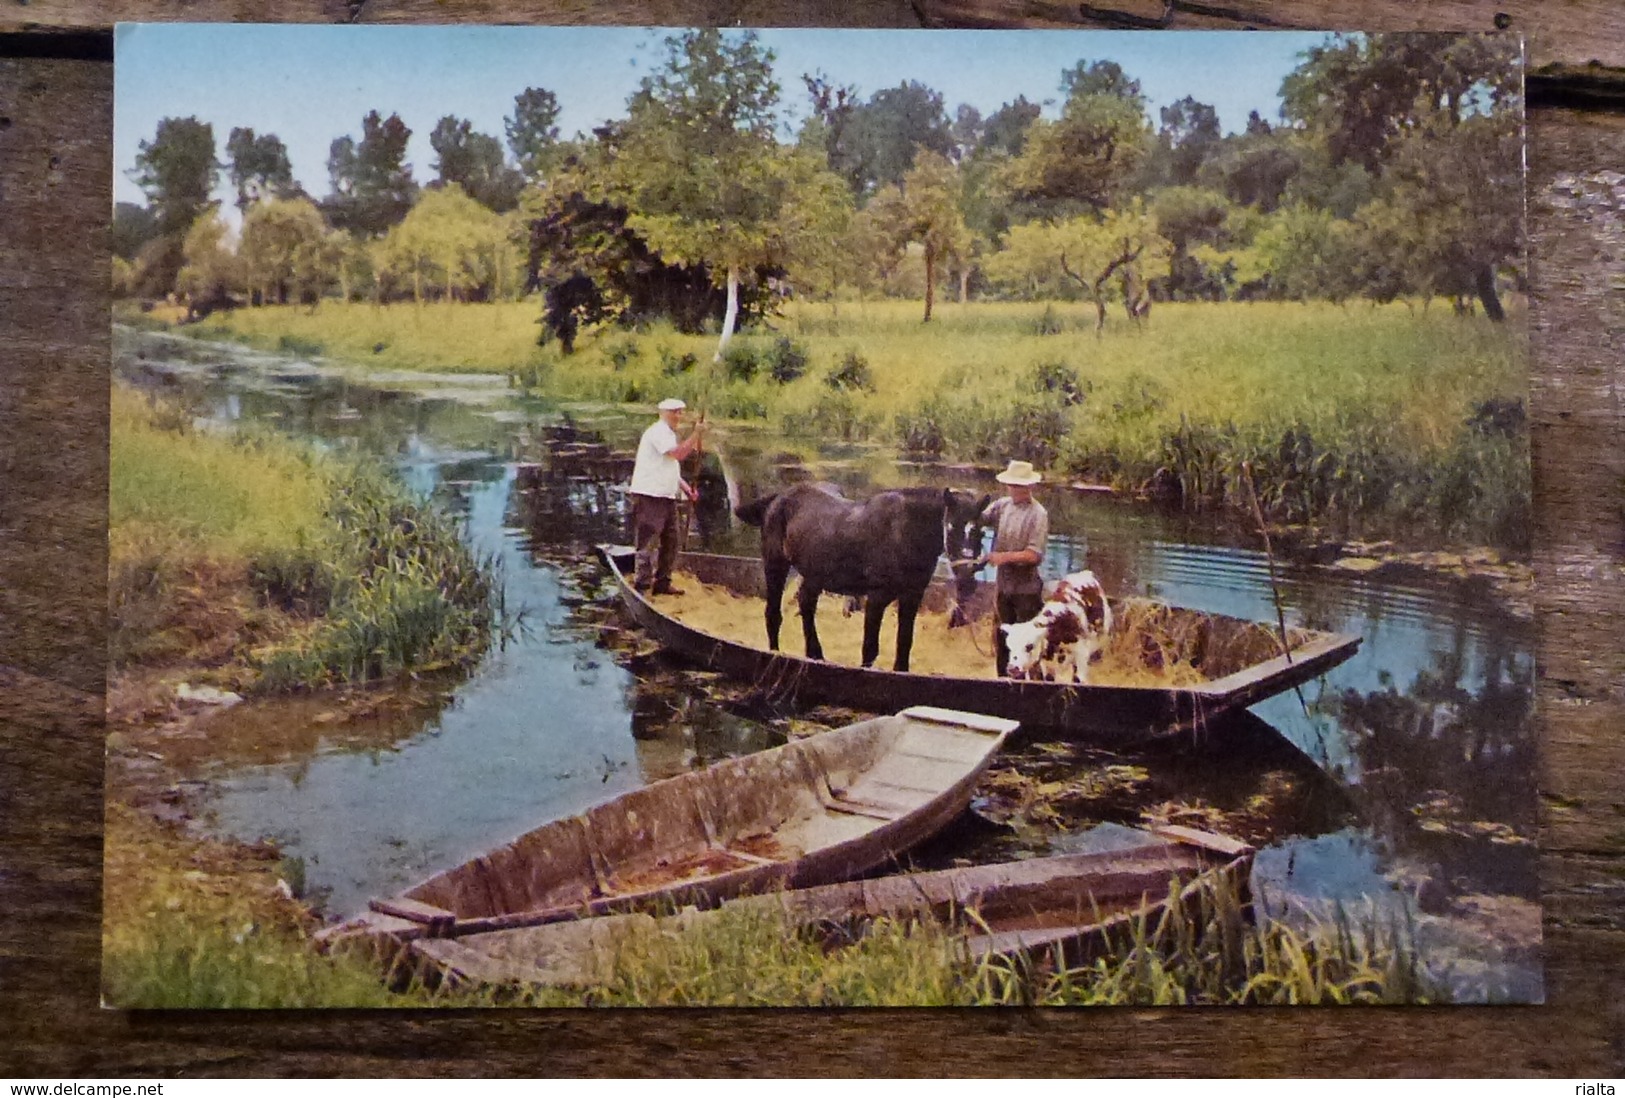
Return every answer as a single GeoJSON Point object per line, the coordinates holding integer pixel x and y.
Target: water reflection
{"type": "Point", "coordinates": [1427, 730]}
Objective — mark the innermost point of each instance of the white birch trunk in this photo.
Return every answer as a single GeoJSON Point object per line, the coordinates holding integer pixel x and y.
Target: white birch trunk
{"type": "Point", "coordinates": [730, 314]}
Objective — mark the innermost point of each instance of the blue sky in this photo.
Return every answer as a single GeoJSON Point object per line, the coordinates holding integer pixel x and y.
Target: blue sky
{"type": "Point", "coordinates": [311, 84]}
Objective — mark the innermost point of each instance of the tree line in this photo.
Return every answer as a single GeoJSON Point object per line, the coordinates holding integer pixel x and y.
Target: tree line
{"type": "Point", "coordinates": [1392, 173]}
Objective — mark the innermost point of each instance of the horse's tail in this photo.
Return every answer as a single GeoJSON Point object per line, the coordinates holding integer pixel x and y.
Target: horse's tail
{"type": "Point", "coordinates": [754, 513]}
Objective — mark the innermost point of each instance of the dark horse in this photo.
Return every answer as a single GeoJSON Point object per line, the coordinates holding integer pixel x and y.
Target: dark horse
{"type": "Point", "coordinates": [884, 550]}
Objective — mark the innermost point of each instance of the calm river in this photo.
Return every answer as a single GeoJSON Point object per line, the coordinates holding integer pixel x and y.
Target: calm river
{"type": "Point", "coordinates": [1411, 791]}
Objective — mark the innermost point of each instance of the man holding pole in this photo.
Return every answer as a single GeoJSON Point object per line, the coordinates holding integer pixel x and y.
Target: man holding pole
{"type": "Point", "coordinates": [657, 482]}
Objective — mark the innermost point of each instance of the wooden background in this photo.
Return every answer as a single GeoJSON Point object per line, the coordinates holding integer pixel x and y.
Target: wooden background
{"type": "Point", "coordinates": [56, 86]}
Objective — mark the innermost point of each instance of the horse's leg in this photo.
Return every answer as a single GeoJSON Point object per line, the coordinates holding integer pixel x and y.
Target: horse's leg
{"type": "Point", "coordinates": [808, 598]}
{"type": "Point", "coordinates": [874, 610]}
{"type": "Point", "coordinates": [776, 571]}
{"type": "Point", "coordinates": [908, 605]}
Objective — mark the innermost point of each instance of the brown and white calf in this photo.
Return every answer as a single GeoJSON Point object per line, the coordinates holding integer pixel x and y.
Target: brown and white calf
{"type": "Point", "coordinates": [1058, 643]}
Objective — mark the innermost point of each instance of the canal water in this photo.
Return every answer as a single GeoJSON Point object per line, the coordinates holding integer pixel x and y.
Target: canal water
{"type": "Point", "coordinates": [1401, 783]}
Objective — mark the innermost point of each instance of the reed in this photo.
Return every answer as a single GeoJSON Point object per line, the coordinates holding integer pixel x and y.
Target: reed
{"type": "Point", "coordinates": [1216, 956]}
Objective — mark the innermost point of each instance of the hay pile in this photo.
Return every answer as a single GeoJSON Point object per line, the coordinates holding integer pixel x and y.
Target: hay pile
{"type": "Point", "coordinates": [1151, 645]}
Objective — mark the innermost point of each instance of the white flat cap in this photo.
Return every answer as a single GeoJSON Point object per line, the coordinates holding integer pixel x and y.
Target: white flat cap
{"type": "Point", "coordinates": [671, 404]}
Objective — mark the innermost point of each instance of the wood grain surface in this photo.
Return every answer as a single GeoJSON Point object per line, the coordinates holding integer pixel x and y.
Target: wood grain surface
{"type": "Point", "coordinates": [55, 195]}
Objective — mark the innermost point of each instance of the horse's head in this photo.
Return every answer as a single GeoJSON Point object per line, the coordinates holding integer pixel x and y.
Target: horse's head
{"type": "Point", "coordinates": [962, 536]}
{"type": "Point", "coordinates": [962, 528]}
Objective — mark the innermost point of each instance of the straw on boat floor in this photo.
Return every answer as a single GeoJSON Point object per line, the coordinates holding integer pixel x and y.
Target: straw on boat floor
{"type": "Point", "coordinates": [1143, 651]}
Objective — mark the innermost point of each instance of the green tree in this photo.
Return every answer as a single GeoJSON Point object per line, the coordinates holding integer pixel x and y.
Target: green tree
{"type": "Point", "coordinates": [697, 165]}
{"type": "Point", "coordinates": [372, 185]}
{"type": "Point", "coordinates": [1191, 131]}
{"type": "Point", "coordinates": [474, 161]}
{"type": "Point", "coordinates": [283, 250]}
{"type": "Point", "coordinates": [177, 170]}
{"type": "Point", "coordinates": [132, 227]}
{"type": "Point", "coordinates": [1083, 160]}
{"type": "Point", "coordinates": [1433, 120]}
{"type": "Point", "coordinates": [1309, 254]}
{"type": "Point", "coordinates": [924, 210]}
{"type": "Point", "coordinates": [533, 133]}
{"type": "Point", "coordinates": [887, 132]}
{"type": "Point", "coordinates": [1188, 217]}
{"type": "Point", "coordinates": [258, 167]}
{"type": "Point", "coordinates": [210, 269]}
{"type": "Point", "coordinates": [1085, 252]}
{"type": "Point", "coordinates": [446, 242]}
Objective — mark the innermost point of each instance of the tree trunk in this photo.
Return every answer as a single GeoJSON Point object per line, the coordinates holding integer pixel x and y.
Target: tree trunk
{"type": "Point", "coordinates": [731, 314]}
{"type": "Point", "coordinates": [1484, 282]}
{"type": "Point", "coordinates": [930, 281]}
{"type": "Point", "coordinates": [964, 285]}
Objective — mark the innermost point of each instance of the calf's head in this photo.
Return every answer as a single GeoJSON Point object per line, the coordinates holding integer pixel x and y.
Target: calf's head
{"type": "Point", "coordinates": [1027, 642]}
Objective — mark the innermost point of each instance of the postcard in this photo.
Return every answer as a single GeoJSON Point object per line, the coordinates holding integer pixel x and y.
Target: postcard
{"type": "Point", "coordinates": [660, 516]}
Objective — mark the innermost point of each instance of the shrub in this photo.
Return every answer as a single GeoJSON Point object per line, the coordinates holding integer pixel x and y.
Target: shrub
{"type": "Point", "coordinates": [852, 374]}
{"type": "Point", "coordinates": [622, 354]}
{"type": "Point", "coordinates": [741, 361]}
{"type": "Point", "coordinates": [1059, 379]}
{"type": "Point", "coordinates": [298, 345]}
{"type": "Point", "coordinates": [1049, 323]}
{"type": "Point", "coordinates": [786, 360]}
{"type": "Point", "coordinates": [836, 414]}
{"type": "Point", "coordinates": [920, 433]}
{"type": "Point", "coordinates": [674, 365]}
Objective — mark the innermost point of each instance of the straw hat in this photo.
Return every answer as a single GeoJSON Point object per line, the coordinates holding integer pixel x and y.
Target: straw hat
{"type": "Point", "coordinates": [671, 404]}
{"type": "Point", "coordinates": [1020, 472]}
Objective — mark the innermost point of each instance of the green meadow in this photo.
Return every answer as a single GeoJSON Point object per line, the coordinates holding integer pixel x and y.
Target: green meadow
{"type": "Point", "coordinates": [1356, 419]}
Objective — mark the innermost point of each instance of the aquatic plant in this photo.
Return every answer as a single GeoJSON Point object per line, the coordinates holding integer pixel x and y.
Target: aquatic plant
{"type": "Point", "coordinates": [405, 594]}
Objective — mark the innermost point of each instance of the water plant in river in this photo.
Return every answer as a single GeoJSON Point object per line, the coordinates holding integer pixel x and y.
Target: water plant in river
{"type": "Point", "coordinates": [402, 590]}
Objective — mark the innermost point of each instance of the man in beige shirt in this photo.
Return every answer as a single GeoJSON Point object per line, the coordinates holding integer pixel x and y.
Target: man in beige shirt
{"type": "Point", "coordinates": [1021, 532]}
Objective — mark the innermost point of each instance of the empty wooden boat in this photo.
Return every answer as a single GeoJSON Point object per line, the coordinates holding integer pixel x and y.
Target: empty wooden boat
{"type": "Point", "coordinates": [1057, 910]}
{"type": "Point", "coordinates": [1242, 662]}
{"type": "Point", "coordinates": [818, 810]}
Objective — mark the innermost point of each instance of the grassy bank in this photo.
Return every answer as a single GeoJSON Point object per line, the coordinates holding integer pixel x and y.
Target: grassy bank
{"type": "Point", "coordinates": [1371, 420]}
{"type": "Point", "coordinates": [271, 567]}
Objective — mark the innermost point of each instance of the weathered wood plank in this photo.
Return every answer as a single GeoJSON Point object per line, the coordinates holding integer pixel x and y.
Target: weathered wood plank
{"type": "Point", "coordinates": [1574, 33]}
{"type": "Point", "coordinates": [52, 437]}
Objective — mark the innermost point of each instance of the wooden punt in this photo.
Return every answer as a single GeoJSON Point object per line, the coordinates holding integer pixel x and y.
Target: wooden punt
{"type": "Point", "coordinates": [1243, 661]}
{"type": "Point", "coordinates": [822, 809]}
{"type": "Point", "coordinates": [1053, 911]}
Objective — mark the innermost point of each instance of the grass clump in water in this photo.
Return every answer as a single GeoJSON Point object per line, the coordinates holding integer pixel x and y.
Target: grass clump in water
{"type": "Point", "coordinates": [277, 567]}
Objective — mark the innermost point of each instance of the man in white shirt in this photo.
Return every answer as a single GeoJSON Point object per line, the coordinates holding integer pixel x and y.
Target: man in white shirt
{"type": "Point", "coordinates": [657, 482]}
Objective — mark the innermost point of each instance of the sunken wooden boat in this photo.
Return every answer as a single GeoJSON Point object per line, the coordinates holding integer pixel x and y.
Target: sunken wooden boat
{"type": "Point", "coordinates": [1243, 662]}
{"type": "Point", "coordinates": [1058, 911]}
{"type": "Point", "coordinates": [814, 811]}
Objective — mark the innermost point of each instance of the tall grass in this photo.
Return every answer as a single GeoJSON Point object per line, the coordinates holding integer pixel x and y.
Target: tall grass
{"type": "Point", "coordinates": [1215, 955]}
{"type": "Point", "coordinates": [190, 924]}
{"type": "Point", "coordinates": [322, 569]}
{"type": "Point", "coordinates": [1372, 418]}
